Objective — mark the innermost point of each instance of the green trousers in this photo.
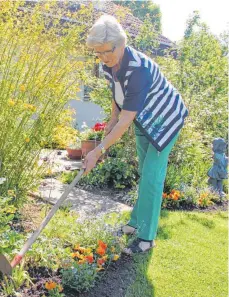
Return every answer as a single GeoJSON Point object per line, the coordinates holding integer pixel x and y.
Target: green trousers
{"type": "Point", "coordinates": [152, 171]}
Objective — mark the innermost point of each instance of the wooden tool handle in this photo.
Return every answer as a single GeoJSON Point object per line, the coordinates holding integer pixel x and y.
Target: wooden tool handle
{"type": "Point", "coordinates": [55, 207]}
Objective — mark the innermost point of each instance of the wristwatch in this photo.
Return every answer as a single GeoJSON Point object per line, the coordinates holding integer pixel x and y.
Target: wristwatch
{"type": "Point", "coordinates": [102, 148]}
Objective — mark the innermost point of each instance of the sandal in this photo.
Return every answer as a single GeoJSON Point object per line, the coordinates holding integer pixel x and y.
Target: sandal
{"type": "Point", "coordinates": [139, 246]}
{"type": "Point", "coordinates": [127, 229]}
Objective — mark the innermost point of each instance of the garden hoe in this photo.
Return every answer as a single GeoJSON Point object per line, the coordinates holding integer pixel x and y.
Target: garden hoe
{"type": "Point", "coordinates": [5, 266]}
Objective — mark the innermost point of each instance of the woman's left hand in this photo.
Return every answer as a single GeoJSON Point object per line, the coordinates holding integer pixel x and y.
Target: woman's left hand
{"type": "Point", "coordinates": [90, 161]}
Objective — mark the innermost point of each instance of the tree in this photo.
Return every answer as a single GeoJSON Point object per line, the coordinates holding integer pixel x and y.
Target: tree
{"type": "Point", "coordinates": [141, 9]}
{"type": "Point", "coordinates": [200, 75]}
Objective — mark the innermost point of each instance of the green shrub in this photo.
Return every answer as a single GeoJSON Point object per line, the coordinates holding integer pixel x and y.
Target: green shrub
{"type": "Point", "coordinates": [112, 172]}
{"type": "Point", "coordinates": [9, 238]}
{"type": "Point", "coordinates": [67, 177]}
{"type": "Point", "coordinates": [189, 161]}
{"type": "Point", "coordinates": [79, 277]}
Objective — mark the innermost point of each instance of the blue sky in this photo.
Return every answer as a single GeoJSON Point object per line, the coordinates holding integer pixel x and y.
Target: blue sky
{"type": "Point", "coordinates": [175, 13]}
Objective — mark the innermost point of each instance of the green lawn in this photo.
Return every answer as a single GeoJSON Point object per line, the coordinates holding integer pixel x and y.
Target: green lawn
{"type": "Point", "coordinates": [190, 258]}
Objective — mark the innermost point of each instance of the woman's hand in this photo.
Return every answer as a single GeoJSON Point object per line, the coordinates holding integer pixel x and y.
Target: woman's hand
{"type": "Point", "coordinates": [90, 161]}
{"type": "Point", "coordinates": [109, 126]}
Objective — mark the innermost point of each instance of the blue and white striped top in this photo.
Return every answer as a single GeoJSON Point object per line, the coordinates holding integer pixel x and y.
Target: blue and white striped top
{"type": "Point", "coordinates": [160, 108]}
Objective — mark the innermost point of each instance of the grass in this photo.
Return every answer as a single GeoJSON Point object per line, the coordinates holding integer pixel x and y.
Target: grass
{"type": "Point", "coordinates": [190, 258]}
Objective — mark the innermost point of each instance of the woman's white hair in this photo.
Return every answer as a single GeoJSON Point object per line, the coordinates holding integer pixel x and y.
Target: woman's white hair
{"type": "Point", "coordinates": [106, 30]}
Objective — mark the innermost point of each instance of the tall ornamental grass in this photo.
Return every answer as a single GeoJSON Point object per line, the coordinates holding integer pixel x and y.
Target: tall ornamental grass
{"type": "Point", "coordinates": [41, 67]}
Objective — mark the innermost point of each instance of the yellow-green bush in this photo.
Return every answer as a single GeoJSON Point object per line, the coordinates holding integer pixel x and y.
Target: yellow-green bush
{"type": "Point", "coordinates": [40, 70]}
{"type": "Point", "coordinates": [64, 134]}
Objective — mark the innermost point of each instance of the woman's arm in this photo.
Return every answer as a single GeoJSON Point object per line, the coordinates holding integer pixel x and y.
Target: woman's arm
{"type": "Point", "coordinates": [125, 120]}
{"type": "Point", "coordinates": [114, 118]}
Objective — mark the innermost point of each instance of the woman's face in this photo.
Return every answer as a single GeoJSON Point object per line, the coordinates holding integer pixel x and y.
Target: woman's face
{"type": "Point", "coordinates": [109, 54]}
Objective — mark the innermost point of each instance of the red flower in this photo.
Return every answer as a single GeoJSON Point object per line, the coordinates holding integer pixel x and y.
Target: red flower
{"type": "Point", "coordinates": [100, 261]}
{"type": "Point", "coordinates": [89, 258]}
{"type": "Point", "coordinates": [99, 126]}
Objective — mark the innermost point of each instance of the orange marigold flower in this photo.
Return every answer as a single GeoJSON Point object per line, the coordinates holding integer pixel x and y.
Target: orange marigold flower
{"type": "Point", "coordinates": [176, 197]}
{"type": "Point", "coordinates": [116, 257]}
{"type": "Point", "coordinates": [100, 261]}
{"type": "Point", "coordinates": [50, 285]}
{"type": "Point", "coordinates": [73, 255]}
{"type": "Point", "coordinates": [102, 244]}
{"type": "Point", "coordinates": [89, 258]}
{"type": "Point", "coordinates": [82, 249]}
{"type": "Point", "coordinates": [82, 261]}
{"type": "Point", "coordinates": [175, 192]}
{"type": "Point", "coordinates": [77, 255]}
{"type": "Point", "coordinates": [100, 251]}
{"type": "Point", "coordinates": [164, 195]}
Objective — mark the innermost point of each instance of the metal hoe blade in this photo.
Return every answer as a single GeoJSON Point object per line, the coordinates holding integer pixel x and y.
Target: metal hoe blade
{"type": "Point", "coordinates": [5, 266]}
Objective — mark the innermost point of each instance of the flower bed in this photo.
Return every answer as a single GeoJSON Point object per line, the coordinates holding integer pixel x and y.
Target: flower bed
{"type": "Point", "coordinates": [57, 264]}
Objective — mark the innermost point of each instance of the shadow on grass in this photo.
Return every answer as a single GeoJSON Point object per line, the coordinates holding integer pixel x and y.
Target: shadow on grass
{"type": "Point", "coordinates": [141, 285]}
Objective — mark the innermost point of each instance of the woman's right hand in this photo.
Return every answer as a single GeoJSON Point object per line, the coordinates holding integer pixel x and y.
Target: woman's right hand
{"type": "Point", "coordinates": [109, 126]}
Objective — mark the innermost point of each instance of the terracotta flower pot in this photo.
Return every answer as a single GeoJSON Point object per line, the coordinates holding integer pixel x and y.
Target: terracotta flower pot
{"type": "Point", "coordinates": [74, 154]}
{"type": "Point", "coordinates": [88, 145]}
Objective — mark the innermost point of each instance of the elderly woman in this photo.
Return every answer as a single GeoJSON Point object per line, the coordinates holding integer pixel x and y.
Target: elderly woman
{"type": "Point", "coordinates": [141, 94]}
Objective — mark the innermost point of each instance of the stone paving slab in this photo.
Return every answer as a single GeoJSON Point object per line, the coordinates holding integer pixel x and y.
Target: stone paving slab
{"type": "Point", "coordinates": [59, 162]}
{"type": "Point", "coordinates": [87, 204]}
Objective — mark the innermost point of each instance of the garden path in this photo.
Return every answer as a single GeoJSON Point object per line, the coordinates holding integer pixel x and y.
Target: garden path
{"type": "Point", "coordinates": [85, 203]}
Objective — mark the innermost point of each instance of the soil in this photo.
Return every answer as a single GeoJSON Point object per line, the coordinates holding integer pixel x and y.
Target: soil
{"type": "Point", "coordinates": [31, 213]}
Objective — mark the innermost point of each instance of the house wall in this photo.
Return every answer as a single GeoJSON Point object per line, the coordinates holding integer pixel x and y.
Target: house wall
{"type": "Point", "coordinates": [85, 111]}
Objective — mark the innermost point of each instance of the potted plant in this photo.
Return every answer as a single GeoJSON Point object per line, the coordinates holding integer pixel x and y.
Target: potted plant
{"type": "Point", "coordinates": [74, 150]}
{"type": "Point", "coordinates": [91, 137]}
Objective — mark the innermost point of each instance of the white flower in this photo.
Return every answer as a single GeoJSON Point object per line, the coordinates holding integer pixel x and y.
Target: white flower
{"type": "Point", "coordinates": [84, 125]}
{"type": "Point", "coordinates": [2, 180]}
